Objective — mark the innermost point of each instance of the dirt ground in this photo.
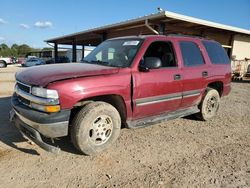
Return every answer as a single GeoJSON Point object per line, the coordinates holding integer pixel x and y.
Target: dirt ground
{"type": "Point", "coordinates": [178, 153]}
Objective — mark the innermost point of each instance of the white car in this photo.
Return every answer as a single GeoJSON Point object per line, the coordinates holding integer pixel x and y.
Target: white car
{"type": "Point", "coordinates": [4, 61]}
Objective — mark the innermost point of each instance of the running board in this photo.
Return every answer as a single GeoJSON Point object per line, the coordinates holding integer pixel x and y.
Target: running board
{"type": "Point", "coordinates": [144, 122]}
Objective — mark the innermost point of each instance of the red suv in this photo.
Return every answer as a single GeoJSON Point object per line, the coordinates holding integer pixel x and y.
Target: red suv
{"type": "Point", "coordinates": [130, 81]}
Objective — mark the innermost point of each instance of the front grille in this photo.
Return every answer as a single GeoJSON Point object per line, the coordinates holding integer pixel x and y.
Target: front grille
{"type": "Point", "coordinates": [24, 87]}
{"type": "Point", "coordinates": [23, 100]}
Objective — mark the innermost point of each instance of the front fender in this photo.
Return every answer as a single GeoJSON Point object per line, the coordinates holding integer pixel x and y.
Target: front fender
{"type": "Point", "coordinates": [73, 90]}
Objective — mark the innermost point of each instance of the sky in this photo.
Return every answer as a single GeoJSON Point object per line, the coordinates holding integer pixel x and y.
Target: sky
{"type": "Point", "coordinates": [33, 21]}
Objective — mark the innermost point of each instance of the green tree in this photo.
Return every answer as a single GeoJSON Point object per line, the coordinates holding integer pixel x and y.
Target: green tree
{"type": "Point", "coordinates": [47, 48]}
{"type": "Point", "coordinates": [23, 50]}
{"type": "Point", "coordinates": [14, 50]}
{"type": "Point", "coordinates": [4, 46]}
{"type": "Point", "coordinates": [4, 50]}
{"type": "Point", "coordinates": [14, 46]}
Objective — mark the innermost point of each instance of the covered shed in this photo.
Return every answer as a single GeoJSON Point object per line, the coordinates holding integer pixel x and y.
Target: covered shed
{"type": "Point", "coordinates": [235, 40]}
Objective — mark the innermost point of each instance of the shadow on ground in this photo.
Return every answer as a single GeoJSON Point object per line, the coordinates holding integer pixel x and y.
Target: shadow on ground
{"type": "Point", "coordinates": [241, 81]}
{"type": "Point", "coordinates": [10, 135]}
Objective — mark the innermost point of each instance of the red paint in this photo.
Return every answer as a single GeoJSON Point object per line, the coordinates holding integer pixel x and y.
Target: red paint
{"type": "Point", "coordinates": [77, 81]}
{"type": "Point", "coordinates": [45, 74]}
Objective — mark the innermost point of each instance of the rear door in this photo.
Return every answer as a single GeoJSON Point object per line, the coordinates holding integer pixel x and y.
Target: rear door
{"type": "Point", "coordinates": [159, 90]}
{"type": "Point", "coordinates": [195, 72]}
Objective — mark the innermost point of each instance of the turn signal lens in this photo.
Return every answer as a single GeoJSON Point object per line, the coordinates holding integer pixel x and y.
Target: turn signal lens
{"type": "Point", "coordinates": [55, 108]}
{"type": "Point", "coordinates": [43, 108]}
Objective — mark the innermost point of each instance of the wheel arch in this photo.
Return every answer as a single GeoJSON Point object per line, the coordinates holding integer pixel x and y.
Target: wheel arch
{"type": "Point", "coordinates": [217, 85]}
{"type": "Point", "coordinates": [115, 100]}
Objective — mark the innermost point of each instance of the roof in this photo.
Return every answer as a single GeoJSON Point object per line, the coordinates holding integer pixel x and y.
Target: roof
{"type": "Point", "coordinates": [159, 36]}
{"type": "Point", "coordinates": [175, 23]}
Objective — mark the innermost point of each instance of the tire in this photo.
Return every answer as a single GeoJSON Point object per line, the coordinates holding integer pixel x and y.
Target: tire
{"type": "Point", "coordinates": [3, 64]}
{"type": "Point", "coordinates": [209, 105]}
{"type": "Point", "coordinates": [95, 127]}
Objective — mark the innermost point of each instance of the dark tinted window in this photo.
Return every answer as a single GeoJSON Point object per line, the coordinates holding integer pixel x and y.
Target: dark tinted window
{"type": "Point", "coordinates": [216, 53]}
{"type": "Point", "coordinates": [191, 54]}
{"type": "Point", "coordinates": [164, 51]}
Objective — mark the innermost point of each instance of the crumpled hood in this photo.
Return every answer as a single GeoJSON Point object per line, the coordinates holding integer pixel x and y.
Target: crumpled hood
{"type": "Point", "coordinates": [45, 74]}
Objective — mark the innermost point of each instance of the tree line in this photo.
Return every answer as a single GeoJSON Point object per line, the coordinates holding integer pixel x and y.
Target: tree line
{"type": "Point", "coordinates": [15, 50]}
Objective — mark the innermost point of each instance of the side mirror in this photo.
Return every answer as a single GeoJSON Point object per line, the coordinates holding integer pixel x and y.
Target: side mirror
{"type": "Point", "coordinates": [150, 63]}
{"type": "Point", "coordinates": [153, 62]}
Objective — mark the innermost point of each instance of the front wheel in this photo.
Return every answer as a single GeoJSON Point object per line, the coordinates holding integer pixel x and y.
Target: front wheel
{"type": "Point", "coordinates": [3, 64]}
{"type": "Point", "coordinates": [95, 127]}
{"type": "Point", "coordinates": [209, 105]}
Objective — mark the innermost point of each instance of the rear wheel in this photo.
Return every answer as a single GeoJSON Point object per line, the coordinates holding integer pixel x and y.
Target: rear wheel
{"type": "Point", "coordinates": [95, 127]}
{"type": "Point", "coordinates": [3, 64]}
{"type": "Point", "coordinates": [209, 105]}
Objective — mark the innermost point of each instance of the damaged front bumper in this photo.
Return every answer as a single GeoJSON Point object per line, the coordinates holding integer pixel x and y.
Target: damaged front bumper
{"type": "Point", "coordinates": [34, 124]}
{"type": "Point", "coordinates": [31, 133]}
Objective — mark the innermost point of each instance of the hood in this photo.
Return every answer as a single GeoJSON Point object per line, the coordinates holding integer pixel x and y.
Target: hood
{"type": "Point", "coordinates": [45, 74]}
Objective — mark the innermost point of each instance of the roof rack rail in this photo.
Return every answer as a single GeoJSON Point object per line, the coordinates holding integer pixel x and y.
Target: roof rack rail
{"type": "Point", "coordinates": [184, 35]}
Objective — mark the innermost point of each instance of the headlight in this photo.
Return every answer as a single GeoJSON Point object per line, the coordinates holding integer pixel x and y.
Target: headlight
{"type": "Point", "coordinates": [45, 93]}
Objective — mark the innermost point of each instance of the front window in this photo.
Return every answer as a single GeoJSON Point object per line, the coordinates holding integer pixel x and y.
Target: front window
{"type": "Point", "coordinates": [164, 51]}
{"type": "Point", "coordinates": [114, 53]}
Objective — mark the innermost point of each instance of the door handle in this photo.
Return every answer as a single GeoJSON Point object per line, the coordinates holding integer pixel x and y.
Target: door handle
{"type": "Point", "coordinates": [204, 73]}
{"type": "Point", "coordinates": [177, 77]}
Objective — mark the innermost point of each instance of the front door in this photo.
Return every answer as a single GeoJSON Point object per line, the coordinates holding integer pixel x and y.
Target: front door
{"type": "Point", "coordinates": [158, 90]}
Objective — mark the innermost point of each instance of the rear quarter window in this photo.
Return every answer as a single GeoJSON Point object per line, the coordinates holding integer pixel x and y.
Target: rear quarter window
{"type": "Point", "coordinates": [216, 53]}
{"type": "Point", "coordinates": [191, 54]}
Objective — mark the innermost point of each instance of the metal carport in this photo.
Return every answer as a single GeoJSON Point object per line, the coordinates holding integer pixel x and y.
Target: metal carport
{"type": "Point", "coordinates": [163, 22]}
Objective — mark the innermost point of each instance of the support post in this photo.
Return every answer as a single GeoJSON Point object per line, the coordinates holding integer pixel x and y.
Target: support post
{"type": "Point", "coordinates": [83, 51]}
{"type": "Point", "coordinates": [104, 36]}
{"type": "Point", "coordinates": [55, 52]}
{"type": "Point", "coordinates": [162, 29]}
{"type": "Point", "coordinates": [230, 53]}
{"type": "Point", "coordinates": [74, 51]}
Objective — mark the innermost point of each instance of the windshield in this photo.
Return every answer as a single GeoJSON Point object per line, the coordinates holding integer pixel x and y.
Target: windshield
{"type": "Point", "coordinates": [114, 53]}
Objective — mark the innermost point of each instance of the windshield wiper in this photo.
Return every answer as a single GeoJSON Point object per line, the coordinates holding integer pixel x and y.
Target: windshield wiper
{"type": "Point", "coordinates": [85, 61]}
{"type": "Point", "coordinates": [98, 62]}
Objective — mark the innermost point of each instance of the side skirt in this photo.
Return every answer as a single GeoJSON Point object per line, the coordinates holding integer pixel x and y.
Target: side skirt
{"type": "Point", "coordinates": [144, 122]}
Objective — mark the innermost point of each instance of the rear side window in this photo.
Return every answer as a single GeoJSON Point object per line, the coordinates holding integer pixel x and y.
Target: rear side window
{"type": "Point", "coordinates": [216, 53]}
{"type": "Point", "coordinates": [191, 54]}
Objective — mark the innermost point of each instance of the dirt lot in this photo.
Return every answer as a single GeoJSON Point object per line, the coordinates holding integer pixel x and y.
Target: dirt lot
{"type": "Point", "coordinates": [178, 153]}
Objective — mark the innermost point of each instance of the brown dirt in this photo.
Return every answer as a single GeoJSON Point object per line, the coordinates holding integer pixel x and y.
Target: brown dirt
{"type": "Point", "coordinates": [178, 153]}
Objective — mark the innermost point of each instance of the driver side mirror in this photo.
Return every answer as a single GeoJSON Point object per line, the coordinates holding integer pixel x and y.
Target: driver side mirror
{"type": "Point", "coordinates": [150, 63]}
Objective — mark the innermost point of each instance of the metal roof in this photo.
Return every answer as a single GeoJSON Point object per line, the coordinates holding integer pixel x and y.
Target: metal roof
{"type": "Point", "coordinates": [205, 22]}
{"type": "Point", "coordinates": [172, 20]}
